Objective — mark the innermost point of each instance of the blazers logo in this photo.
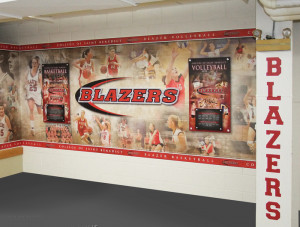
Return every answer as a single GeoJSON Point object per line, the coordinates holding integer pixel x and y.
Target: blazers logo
{"type": "Point", "coordinates": [90, 96]}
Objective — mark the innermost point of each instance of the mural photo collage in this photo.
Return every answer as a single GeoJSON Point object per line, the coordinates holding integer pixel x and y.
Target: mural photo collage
{"type": "Point", "coordinates": [191, 97]}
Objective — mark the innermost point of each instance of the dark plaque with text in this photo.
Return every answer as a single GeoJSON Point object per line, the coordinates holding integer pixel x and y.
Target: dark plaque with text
{"type": "Point", "coordinates": [56, 113]}
{"type": "Point", "coordinates": [211, 120]}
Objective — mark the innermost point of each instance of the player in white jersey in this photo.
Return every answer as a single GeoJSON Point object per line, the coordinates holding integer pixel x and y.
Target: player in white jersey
{"type": "Point", "coordinates": [86, 66]}
{"type": "Point", "coordinates": [105, 135]}
{"type": "Point", "coordinates": [6, 79]}
{"type": "Point", "coordinates": [142, 61]}
{"type": "Point", "coordinates": [250, 105]}
{"type": "Point", "coordinates": [33, 86]}
{"type": "Point", "coordinates": [6, 83]}
{"type": "Point", "coordinates": [5, 126]}
{"type": "Point", "coordinates": [13, 96]}
{"type": "Point", "coordinates": [178, 136]}
{"type": "Point", "coordinates": [124, 133]}
{"type": "Point", "coordinates": [213, 52]}
{"type": "Point", "coordinates": [13, 63]}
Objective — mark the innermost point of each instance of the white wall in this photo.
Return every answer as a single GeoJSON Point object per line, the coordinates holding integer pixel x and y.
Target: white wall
{"type": "Point", "coordinates": [198, 179]}
{"type": "Point", "coordinates": [190, 178]}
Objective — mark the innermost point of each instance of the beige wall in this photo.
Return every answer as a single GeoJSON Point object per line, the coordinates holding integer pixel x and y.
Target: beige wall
{"type": "Point", "coordinates": [10, 166]}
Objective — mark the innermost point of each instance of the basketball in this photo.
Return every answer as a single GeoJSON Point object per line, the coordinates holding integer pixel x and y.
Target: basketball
{"type": "Point", "coordinates": [90, 130]}
{"type": "Point", "coordinates": [86, 73]}
{"type": "Point", "coordinates": [103, 69]}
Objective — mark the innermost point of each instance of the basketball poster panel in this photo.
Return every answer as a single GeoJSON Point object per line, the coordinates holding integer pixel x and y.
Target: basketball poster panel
{"type": "Point", "coordinates": [209, 83]}
{"type": "Point", "coordinates": [56, 93]}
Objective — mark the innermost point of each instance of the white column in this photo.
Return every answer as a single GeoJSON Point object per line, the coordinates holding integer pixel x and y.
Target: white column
{"type": "Point", "coordinates": [296, 125]}
{"type": "Point", "coordinates": [274, 199]}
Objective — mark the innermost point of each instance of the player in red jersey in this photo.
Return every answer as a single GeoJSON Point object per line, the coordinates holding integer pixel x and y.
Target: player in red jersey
{"type": "Point", "coordinates": [46, 92]}
{"type": "Point", "coordinates": [82, 127]}
{"type": "Point", "coordinates": [208, 147]}
{"type": "Point", "coordinates": [174, 79]}
{"type": "Point", "coordinates": [113, 63]}
{"type": "Point", "coordinates": [239, 51]}
{"type": "Point", "coordinates": [155, 138]}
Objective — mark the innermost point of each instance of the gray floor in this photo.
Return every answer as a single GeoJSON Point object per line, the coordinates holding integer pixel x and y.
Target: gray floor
{"type": "Point", "coordinates": [42, 201]}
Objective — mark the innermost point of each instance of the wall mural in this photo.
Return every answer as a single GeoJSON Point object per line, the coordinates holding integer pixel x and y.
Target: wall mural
{"type": "Point", "coordinates": [10, 111]}
{"type": "Point", "coordinates": [180, 100]}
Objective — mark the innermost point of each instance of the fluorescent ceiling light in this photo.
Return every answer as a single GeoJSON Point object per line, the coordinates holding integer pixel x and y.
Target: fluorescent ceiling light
{"type": "Point", "coordinates": [131, 2]}
{"type": "Point", "coordinates": [3, 1]}
{"type": "Point", "coordinates": [47, 19]}
{"type": "Point", "coordinates": [10, 15]}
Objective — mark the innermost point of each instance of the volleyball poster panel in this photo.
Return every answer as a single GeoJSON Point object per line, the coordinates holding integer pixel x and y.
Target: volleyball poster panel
{"type": "Point", "coordinates": [56, 93]}
{"type": "Point", "coordinates": [209, 100]}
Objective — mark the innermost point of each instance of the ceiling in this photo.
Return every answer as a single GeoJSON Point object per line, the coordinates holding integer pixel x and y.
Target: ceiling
{"type": "Point", "coordinates": [53, 9]}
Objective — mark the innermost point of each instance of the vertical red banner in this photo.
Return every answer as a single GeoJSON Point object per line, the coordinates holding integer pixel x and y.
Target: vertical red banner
{"type": "Point", "coordinates": [210, 107]}
{"type": "Point", "coordinates": [56, 93]}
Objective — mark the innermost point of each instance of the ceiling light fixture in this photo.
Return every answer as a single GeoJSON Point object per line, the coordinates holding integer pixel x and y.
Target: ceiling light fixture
{"type": "Point", "coordinates": [47, 19]}
{"type": "Point", "coordinates": [131, 2]}
{"type": "Point", "coordinates": [4, 1]}
{"type": "Point", "coordinates": [10, 15]}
